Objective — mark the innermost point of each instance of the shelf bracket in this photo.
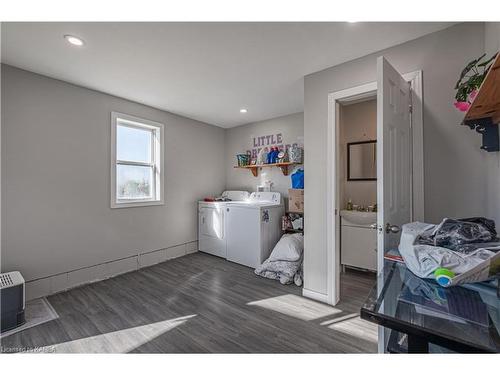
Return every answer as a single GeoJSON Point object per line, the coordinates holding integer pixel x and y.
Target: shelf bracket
{"type": "Point", "coordinates": [254, 168]}
{"type": "Point", "coordinates": [488, 130]}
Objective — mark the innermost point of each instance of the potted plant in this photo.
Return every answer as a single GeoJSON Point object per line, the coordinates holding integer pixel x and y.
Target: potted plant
{"type": "Point", "coordinates": [470, 80]}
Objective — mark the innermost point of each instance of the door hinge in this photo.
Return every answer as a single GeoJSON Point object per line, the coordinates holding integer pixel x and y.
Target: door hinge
{"type": "Point", "coordinates": [410, 101]}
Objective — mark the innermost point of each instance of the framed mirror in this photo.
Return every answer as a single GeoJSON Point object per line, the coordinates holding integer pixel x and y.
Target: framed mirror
{"type": "Point", "coordinates": [362, 161]}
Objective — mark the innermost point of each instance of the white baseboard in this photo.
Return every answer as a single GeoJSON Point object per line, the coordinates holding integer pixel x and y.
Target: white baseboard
{"type": "Point", "coordinates": [315, 295]}
{"type": "Point", "coordinates": [71, 279]}
{"type": "Point", "coordinates": [191, 247]}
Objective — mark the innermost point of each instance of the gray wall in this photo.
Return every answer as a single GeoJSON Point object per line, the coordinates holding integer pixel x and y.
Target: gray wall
{"type": "Point", "coordinates": [492, 37]}
{"type": "Point", "coordinates": [56, 183]}
{"type": "Point", "coordinates": [0, 152]}
{"type": "Point", "coordinates": [492, 162]}
{"type": "Point", "coordinates": [240, 139]}
{"type": "Point", "coordinates": [454, 169]}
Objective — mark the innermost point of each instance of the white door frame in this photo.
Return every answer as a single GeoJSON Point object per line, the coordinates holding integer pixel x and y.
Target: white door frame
{"type": "Point", "coordinates": [333, 223]}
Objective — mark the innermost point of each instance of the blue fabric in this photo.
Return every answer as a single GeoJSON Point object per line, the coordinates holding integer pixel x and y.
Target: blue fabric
{"type": "Point", "coordinates": [298, 179]}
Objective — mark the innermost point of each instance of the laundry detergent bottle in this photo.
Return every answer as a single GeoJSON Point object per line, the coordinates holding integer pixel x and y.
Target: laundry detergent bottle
{"type": "Point", "coordinates": [275, 155]}
{"type": "Point", "coordinates": [270, 156]}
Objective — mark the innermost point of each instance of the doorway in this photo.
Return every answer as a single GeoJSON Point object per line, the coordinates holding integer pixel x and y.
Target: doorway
{"type": "Point", "coordinates": [399, 167]}
{"type": "Point", "coordinates": [356, 184]}
{"type": "Point", "coordinates": [334, 159]}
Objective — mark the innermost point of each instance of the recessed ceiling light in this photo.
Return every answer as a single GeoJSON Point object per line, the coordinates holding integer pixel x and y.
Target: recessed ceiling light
{"type": "Point", "coordinates": [243, 110]}
{"type": "Point", "coordinates": [74, 40]}
{"type": "Point", "coordinates": [352, 21]}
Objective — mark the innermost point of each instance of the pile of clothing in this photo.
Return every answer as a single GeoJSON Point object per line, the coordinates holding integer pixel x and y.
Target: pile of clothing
{"type": "Point", "coordinates": [455, 244]}
{"type": "Point", "coordinates": [285, 262]}
{"type": "Point", "coordinates": [462, 235]}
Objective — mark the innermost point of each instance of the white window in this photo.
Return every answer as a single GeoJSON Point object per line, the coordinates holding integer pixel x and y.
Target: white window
{"type": "Point", "coordinates": [136, 161]}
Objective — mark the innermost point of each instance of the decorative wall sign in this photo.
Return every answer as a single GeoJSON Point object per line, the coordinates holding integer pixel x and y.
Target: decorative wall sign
{"type": "Point", "coordinates": [266, 142]}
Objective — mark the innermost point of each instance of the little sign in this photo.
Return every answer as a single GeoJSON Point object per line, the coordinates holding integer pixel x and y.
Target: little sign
{"type": "Point", "coordinates": [267, 141]}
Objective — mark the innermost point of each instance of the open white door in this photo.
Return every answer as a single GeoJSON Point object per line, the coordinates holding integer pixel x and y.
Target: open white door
{"type": "Point", "coordinates": [394, 195]}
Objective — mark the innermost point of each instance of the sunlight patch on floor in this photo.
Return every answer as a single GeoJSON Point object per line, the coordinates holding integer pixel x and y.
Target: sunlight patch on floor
{"type": "Point", "coordinates": [339, 319]}
{"type": "Point", "coordinates": [296, 307]}
{"type": "Point", "coordinates": [357, 327]}
{"type": "Point", "coordinates": [122, 341]}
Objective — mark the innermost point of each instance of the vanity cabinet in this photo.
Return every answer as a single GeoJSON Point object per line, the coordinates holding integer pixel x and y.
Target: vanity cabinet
{"type": "Point", "coordinates": [358, 243]}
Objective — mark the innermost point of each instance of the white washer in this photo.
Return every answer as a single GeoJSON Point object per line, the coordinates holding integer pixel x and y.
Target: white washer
{"type": "Point", "coordinates": [253, 228]}
{"type": "Point", "coordinates": [211, 223]}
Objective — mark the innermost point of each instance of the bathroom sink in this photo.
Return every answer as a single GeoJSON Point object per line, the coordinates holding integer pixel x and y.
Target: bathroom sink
{"type": "Point", "coordinates": [359, 217]}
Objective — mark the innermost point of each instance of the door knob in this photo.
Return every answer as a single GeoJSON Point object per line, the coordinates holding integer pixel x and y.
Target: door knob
{"type": "Point", "coordinates": [392, 228]}
{"type": "Point", "coordinates": [373, 226]}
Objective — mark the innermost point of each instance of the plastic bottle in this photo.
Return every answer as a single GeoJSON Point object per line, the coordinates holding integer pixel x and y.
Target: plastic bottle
{"type": "Point", "coordinates": [262, 156]}
{"type": "Point", "coordinates": [276, 152]}
{"type": "Point", "coordinates": [349, 205]}
{"type": "Point", "coordinates": [269, 156]}
{"type": "Point", "coordinates": [274, 155]}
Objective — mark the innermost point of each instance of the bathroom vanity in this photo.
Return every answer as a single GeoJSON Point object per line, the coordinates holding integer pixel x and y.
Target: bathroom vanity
{"type": "Point", "coordinates": [358, 239]}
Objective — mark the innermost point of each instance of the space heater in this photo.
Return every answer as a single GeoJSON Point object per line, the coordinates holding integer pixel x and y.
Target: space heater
{"type": "Point", "coordinates": [12, 300]}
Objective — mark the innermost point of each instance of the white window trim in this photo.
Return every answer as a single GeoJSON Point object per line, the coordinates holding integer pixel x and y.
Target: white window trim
{"type": "Point", "coordinates": [158, 152]}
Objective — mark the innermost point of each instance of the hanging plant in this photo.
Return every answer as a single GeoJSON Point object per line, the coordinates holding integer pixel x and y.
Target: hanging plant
{"type": "Point", "coordinates": [470, 80]}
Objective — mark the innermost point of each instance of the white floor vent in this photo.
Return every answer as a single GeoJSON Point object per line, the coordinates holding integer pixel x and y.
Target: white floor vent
{"type": "Point", "coordinates": [5, 280]}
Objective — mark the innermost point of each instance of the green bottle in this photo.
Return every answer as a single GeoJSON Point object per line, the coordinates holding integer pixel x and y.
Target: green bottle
{"type": "Point", "coordinates": [349, 205]}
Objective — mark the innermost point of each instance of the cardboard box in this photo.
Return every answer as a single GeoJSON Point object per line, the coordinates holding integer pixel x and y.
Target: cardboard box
{"type": "Point", "coordinates": [296, 200]}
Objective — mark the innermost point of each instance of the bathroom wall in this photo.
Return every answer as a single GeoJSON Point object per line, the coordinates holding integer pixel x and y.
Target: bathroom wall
{"type": "Point", "coordinates": [289, 129]}
{"type": "Point", "coordinates": [56, 181]}
{"type": "Point", "coordinates": [453, 162]}
{"type": "Point", "coordinates": [358, 122]}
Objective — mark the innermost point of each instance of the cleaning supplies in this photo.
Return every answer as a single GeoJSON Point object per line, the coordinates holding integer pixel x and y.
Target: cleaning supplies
{"type": "Point", "coordinates": [282, 156]}
{"type": "Point", "coordinates": [349, 205]}
{"type": "Point", "coordinates": [262, 156]}
{"type": "Point", "coordinates": [273, 155]}
{"type": "Point", "coordinates": [270, 156]}
{"type": "Point", "coordinates": [298, 179]}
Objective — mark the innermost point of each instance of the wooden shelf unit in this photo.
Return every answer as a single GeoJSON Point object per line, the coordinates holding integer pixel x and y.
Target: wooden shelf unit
{"type": "Point", "coordinates": [484, 112]}
{"type": "Point", "coordinates": [255, 168]}
{"type": "Point", "coordinates": [487, 102]}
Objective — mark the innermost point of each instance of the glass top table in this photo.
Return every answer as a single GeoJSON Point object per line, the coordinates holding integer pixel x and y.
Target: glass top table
{"type": "Point", "coordinates": [457, 318]}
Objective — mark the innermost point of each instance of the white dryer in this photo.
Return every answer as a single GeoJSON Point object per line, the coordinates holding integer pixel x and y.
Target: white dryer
{"type": "Point", "coordinates": [211, 222]}
{"type": "Point", "coordinates": [253, 228]}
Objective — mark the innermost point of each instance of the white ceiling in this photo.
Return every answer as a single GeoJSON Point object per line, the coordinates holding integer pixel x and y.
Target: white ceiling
{"type": "Point", "coordinates": [204, 71]}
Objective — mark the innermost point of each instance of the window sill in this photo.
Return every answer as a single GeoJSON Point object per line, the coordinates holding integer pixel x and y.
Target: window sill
{"type": "Point", "coordinates": [137, 204]}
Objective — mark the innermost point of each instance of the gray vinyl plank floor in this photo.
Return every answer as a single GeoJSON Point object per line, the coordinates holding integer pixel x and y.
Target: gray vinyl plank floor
{"type": "Point", "coordinates": [201, 304]}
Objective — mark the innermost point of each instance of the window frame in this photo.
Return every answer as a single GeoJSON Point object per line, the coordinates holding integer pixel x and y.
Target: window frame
{"type": "Point", "coordinates": [157, 155]}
